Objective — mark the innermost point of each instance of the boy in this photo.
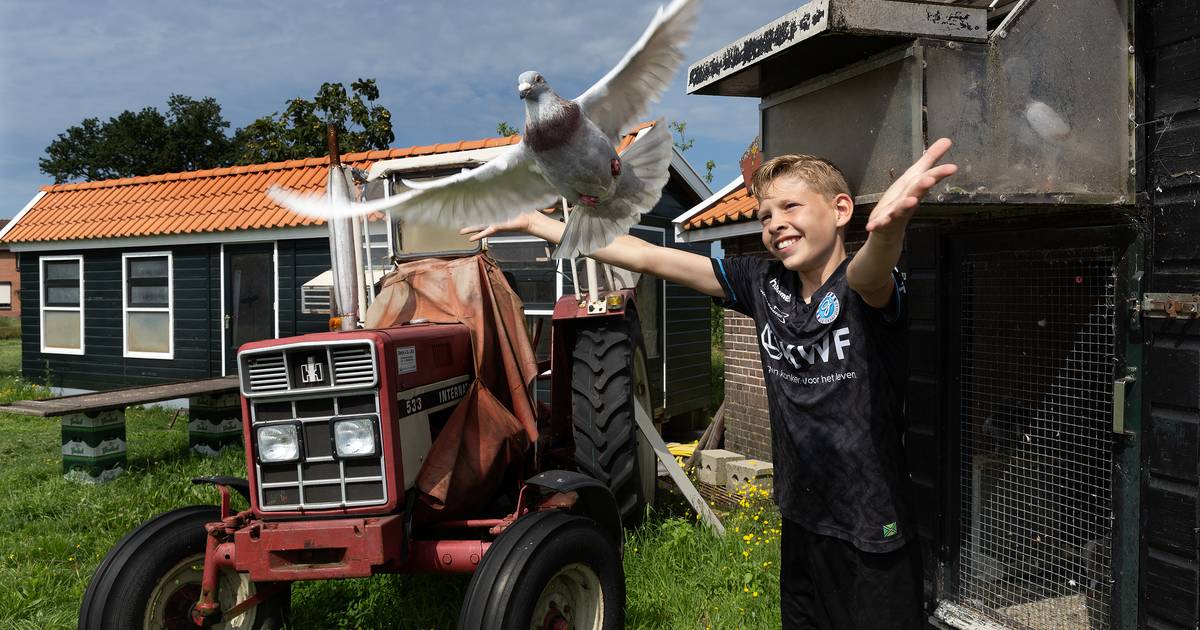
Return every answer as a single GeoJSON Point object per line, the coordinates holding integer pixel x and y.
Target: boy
{"type": "Point", "coordinates": [832, 342]}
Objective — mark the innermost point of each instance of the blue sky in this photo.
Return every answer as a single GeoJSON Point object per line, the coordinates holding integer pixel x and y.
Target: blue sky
{"type": "Point", "coordinates": [447, 70]}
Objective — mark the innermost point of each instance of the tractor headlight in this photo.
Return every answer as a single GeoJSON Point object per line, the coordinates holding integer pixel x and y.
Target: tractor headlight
{"type": "Point", "coordinates": [354, 438]}
{"type": "Point", "coordinates": [278, 443]}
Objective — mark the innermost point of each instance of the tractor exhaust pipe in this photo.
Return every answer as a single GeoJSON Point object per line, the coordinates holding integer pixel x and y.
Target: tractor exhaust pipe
{"type": "Point", "coordinates": [341, 242]}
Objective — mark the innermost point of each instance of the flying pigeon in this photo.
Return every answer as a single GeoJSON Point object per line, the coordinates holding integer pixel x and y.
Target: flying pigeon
{"type": "Point", "coordinates": [568, 150]}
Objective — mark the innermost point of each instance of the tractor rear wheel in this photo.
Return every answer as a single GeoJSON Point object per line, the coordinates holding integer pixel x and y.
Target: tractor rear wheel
{"type": "Point", "coordinates": [151, 579]}
{"type": "Point", "coordinates": [550, 571]}
{"type": "Point", "coordinates": [609, 377]}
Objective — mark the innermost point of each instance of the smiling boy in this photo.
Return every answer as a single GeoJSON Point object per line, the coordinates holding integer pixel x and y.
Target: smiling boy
{"type": "Point", "coordinates": [832, 338]}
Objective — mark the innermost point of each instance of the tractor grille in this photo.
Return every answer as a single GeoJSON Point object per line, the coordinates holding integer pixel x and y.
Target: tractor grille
{"type": "Point", "coordinates": [307, 368]}
{"type": "Point", "coordinates": [319, 480]}
{"type": "Point", "coordinates": [267, 373]}
{"type": "Point", "coordinates": [353, 365]}
{"type": "Point", "coordinates": [1036, 410]}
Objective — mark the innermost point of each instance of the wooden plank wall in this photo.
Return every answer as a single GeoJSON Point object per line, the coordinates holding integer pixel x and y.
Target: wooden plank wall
{"type": "Point", "coordinates": [1169, 37]}
{"type": "Point", "coordinates": [104, 367]}
{"type": "Point", "coordinates": [197, 312]}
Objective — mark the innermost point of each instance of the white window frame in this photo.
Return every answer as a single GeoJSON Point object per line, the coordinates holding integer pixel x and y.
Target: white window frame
{"type": "Point", "coordinates": [126, 309]}
{"type": "Point", "coordinates": [42, 308]}
{"type": "Point", "coordinates": [9, 306]}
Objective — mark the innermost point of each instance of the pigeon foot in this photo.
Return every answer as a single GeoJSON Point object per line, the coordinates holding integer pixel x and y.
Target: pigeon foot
{"type": "Point", "coordinates": [589, 200]}
{"type": "Point", "coordinates": [616, 167]}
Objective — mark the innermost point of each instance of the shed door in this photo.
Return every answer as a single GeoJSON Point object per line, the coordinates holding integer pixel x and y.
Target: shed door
{"type": "Point", "coordinates": [249, 298]}
{"type": "Point", "coordinates": [1038, 332]}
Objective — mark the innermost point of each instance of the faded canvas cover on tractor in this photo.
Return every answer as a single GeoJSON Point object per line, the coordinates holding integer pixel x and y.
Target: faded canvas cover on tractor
{"type": "Point", "coordinates": [494, 425]}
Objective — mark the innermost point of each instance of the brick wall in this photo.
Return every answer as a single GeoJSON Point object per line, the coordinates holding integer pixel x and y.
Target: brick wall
{"type": "Point", "coordinates": [747, 428]}
{"type": "Point", "coordinates": [9, 274]}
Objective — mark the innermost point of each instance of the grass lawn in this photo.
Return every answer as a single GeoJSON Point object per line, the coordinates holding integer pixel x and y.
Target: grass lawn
{"type": "Point", "coordinates": [54, 532]}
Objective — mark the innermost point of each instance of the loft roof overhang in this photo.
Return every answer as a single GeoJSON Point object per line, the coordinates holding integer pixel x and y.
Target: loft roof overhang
{"type": "Point", "coordinates": [824, 35]}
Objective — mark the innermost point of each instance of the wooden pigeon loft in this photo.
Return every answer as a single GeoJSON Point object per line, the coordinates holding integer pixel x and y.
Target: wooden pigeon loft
{"type": "Point", "coordinates": [1039, 102]}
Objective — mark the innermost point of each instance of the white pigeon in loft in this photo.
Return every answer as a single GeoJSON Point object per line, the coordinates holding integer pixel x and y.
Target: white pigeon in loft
{"type": "Point", "coordinates": [568, 150]}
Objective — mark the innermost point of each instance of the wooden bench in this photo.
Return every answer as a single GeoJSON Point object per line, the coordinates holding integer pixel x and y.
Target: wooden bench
{"type": "Point", "coordinates": [93, 425]}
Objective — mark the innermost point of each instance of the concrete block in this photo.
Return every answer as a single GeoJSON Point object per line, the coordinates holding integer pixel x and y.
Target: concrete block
{"type": "Point", "coordinates": [712, 468]}
{"type": "Point", "coordinates": [750, 472]}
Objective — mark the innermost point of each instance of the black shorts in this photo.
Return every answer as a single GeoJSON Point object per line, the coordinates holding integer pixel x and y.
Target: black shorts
{"type": "Point", "coordinates": [829, 584]}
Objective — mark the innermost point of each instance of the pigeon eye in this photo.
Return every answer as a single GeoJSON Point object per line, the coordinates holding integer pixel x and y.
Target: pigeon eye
{"type": "Point", "coordinates": [539, 80]}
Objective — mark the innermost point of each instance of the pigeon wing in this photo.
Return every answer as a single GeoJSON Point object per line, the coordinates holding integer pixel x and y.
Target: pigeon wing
{"type": "Point", "coordinates": [506, 186]}
{"type": "Point", "coordinates": [617, 101]}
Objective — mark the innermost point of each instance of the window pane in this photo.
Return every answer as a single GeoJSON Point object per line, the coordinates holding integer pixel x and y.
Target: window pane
{"type": "Point", "coordinates": [529, 270]}
{"type": "Point", "coordinates": [148, 267]}
{"type": "Point", "coordinates": [148, 332]}
{"type": "Point", "coordinates": [5, 294]}
{"type": "Point", "coordinates": [62, 270]}
{"type": "Point", "coordinates": [148, 296]}
{"type": "Point", "coordinates": [62, 329]}
{"type": "Point", "coordinates": [62, 296]}
{"type": "Point", "coordinates": [542, 350]}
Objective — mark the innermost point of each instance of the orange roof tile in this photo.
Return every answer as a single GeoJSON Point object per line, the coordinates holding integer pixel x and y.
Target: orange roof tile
{"type": "Point", "coordinates": [736, 205]}
{"type": "Point", "coordinates": [213, 200]}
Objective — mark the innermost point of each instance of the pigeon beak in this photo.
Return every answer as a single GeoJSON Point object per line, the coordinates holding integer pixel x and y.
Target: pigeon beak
{"type": "Point", "coordinates": [524, 89]}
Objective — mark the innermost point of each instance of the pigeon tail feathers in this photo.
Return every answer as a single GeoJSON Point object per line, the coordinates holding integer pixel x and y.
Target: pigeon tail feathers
{"type": "Point", "coordinates": [649, 159]}
{"type": "Point", "coordinates": [646, 165]}
{"type": "Point", "coordinates": [588, 231]}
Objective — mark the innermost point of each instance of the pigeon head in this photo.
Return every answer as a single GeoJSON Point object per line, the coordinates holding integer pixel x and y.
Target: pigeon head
{"type": "Point", "coordinates": [531, 84]}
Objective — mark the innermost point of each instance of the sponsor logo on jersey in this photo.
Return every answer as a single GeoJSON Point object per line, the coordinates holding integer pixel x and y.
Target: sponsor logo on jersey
{"type": "Point", "coordinates": [787, 297]}
{"type": "Point", "coordinates": [802, 356]}
{"type": "Point", "coordinates": [828, 309]}
{"type": "Point", "coordinates": [778, 313]}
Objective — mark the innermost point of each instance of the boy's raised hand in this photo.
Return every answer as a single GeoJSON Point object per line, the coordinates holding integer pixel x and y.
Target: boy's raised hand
{"type": "Point", "coordinates": [520, 223]}
{"type": "Point", "coordinates": [899, 201]}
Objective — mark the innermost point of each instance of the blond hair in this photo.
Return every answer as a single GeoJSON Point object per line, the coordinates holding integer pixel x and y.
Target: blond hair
{"type": "Point", "coordinates": [821, 175]}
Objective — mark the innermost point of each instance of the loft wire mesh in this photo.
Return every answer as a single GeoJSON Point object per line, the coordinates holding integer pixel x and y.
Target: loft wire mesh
{"type": "Point", "coordinates": [1036, 410]}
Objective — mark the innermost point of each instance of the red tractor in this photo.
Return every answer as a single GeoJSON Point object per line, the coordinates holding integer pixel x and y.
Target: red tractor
{"type": "Point", "coordinates": [393, 448]}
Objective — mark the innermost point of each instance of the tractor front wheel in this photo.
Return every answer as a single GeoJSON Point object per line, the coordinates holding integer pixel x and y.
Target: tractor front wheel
{"type": "Point", "coordinates": [151, 579]}
{"type": "Point", "coordinates": [608, 378]}
{"type": "Point", "coordinates": [549, 571]}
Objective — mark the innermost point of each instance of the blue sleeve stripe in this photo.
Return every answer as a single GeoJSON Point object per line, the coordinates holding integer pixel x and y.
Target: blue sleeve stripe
{"type": "Point", "coordinates": [724, 279]}
{"type": "Point", "coordinates": [898, 299]}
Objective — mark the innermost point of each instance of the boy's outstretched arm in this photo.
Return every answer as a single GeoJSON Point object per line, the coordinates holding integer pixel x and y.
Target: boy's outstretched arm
{"type": "Point", "coordinates": [678, 266]}
{"type": "Point", "coordinates": [870, 271]}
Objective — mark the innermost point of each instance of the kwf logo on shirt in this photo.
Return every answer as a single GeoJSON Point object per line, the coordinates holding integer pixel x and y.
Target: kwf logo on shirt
{"type": "Point", "coordinates": [795, 355]}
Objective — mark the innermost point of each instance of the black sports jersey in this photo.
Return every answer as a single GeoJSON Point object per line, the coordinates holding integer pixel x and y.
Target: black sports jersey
{"type": "Point", "coordinates": [834, 371]}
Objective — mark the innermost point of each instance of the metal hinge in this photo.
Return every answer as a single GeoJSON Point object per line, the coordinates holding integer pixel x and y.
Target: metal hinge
{"type": "Point", "coordinates": [1170, 305]}
{"type": "Point", "coordinates": [1121, 387]}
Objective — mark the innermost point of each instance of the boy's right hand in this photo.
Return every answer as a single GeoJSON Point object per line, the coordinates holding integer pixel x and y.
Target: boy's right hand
{"type": "Point", "coordinates": [899, 202]}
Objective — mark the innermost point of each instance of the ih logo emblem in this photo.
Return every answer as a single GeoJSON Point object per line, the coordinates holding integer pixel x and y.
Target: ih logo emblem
{"type": "Point", "coordinates": [311, 372]}
{"type": "Point", "coordinates": [889, 530]}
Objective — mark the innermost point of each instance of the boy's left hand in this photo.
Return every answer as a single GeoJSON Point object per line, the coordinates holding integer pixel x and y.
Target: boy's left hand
{"type": "Point", "coordinates": [899, 201]}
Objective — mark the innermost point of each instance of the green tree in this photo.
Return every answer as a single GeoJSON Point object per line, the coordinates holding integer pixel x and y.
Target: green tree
{"type": "Point", "coordinates": [299, 130]}
{"type": "Point", "coordinates": [190, 135]}
{"type": "Point", "coordinates": [683, 143]}
{"type": "Point", "coordinates": [506, 130]}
